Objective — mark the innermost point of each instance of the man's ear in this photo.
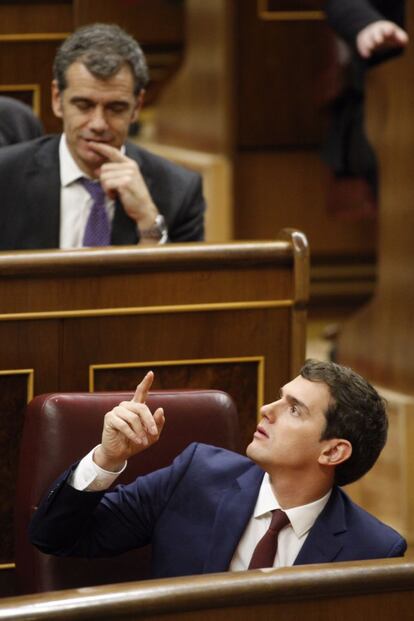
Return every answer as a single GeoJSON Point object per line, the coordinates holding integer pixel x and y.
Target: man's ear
{"type": "Point", "coordinates": [335, 451]}
{"type": "Point", "coordinates": [56, 100]}
{"type": "Point", "coordinates": [139, 102]}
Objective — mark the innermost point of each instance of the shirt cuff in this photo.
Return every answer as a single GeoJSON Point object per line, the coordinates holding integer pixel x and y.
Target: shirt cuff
{"type": "Point", "coordinates": [89, 477]}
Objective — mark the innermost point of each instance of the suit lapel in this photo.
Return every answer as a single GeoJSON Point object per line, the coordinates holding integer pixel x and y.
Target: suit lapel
{"type": "Point", "coordinates": [325, 539]}
{"type": "Point", "coordinates": [234, 511]}
{"type": "Point", "coordinates": [43, 194]}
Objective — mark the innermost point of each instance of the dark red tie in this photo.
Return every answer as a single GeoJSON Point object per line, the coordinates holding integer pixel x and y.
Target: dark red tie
{"type": "Point", "coordinates": [265, 551]}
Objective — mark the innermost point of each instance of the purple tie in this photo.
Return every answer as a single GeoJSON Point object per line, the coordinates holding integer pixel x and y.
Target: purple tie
{"type": "Point", "coordinates": [265, 551]}
{"type": "Point", "coordinates": [98, 228]}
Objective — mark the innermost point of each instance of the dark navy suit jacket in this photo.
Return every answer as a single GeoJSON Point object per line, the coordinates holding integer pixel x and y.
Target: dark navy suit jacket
{"type": "Point", "coordinates": [194, 513]}
{"type": "Point", "coordinates": [30, 197]}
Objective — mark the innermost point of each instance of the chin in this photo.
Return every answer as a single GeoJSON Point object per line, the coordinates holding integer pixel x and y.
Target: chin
{"type": "Point", "coordinates": [251, 450]}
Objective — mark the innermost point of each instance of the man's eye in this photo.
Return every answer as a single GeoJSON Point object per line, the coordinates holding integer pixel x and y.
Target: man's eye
{"type": "Point", "coordinates": [83, 105]}
{"type": "Point", "coordinates": [294, 410]}
{"type": "Point", "coordinates": [118, 109]}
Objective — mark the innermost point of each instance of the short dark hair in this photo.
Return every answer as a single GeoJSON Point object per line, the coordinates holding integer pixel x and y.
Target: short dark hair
{"type": "Point", "coordinates": [103, 49]}
{"type": "Point", "coordinates": [357, 413]}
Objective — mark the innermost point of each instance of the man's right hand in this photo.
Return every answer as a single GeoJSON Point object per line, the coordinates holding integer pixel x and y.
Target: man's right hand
{"type": "Point", "coordinates": [129, 429]}
{"type": "Point", "coordinates": [378, 36]}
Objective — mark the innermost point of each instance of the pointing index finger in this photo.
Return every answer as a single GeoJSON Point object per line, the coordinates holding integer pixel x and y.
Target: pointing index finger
{"type": "Point", "coordinates": [108, 151]}
{"type": "Point", "coordinates": [141, 392]}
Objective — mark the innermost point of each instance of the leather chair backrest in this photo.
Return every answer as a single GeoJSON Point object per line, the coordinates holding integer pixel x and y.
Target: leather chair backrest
{"type": "Point", "coordinates": [59, 429]}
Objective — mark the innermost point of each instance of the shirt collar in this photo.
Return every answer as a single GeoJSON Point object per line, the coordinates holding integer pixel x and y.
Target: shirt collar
{"type": "Point", "coordinates": [302, 518]}
{"type": "Point", "coordinates": [69, 170]}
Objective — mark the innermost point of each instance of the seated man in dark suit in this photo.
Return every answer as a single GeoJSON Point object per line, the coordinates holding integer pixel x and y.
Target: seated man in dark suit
{"type": "Point", "coordinates": [90, 186]}
{"type": "Point", "coordinates": [211, 509]}
{"type": "Point", "coordinates": [18, 122]}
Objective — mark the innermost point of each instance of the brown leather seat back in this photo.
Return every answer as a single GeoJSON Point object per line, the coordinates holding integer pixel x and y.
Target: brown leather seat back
{"type": "Point", "coordinates": [59, 429]}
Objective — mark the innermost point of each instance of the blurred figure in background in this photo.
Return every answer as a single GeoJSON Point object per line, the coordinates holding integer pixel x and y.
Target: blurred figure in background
{"type": "Point", "coordinates": [374, 29]}
{"type": "Point", "coordinates": [370, 32]}
{"type": "Point", "coordinates": [18, 122]}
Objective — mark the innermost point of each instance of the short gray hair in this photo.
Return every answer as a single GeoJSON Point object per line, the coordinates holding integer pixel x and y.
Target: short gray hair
{"type": "Point", "coordinates": [103, 49]}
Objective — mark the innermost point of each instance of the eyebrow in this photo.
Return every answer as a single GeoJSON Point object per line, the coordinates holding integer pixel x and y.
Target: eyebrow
{"type": "Point", "coordinates": [116, 102]}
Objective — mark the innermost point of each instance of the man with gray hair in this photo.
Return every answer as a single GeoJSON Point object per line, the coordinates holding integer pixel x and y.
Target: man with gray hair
{"type": "Point", "coordinates": [89, 186]}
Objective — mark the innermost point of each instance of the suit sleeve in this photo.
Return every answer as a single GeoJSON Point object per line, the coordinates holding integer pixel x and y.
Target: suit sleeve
{"type": "Point", "coordinates": [349, 17]}
{"type": "Point", "coordinates": [188, 225]}
{"type": "Point", "coordinates": [398, 549]}
{"type": "Point", "coordinates": [69, 522]}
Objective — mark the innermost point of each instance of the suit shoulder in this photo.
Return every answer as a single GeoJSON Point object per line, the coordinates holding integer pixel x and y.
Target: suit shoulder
{"type": "Point", "coordinates": [369, 527]}
{"type": "Point", "coordinates": [25, 150]}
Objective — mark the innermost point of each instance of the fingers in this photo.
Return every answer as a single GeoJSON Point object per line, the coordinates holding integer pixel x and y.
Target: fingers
{"type": "Point", "coordinates": [135, 422]}
{"type": "Point", "coordinates": [110, 153]}
{"type": "Point", "coordinates": [159, 419]}
{"type": "Point", "coordinates": [379, 35]}
{"type": "Point", "coordinates": [141, 391]}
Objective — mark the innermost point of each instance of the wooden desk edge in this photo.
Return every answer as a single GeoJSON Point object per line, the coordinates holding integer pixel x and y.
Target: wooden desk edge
{"type": "Point", "coordinates": [307, 582]}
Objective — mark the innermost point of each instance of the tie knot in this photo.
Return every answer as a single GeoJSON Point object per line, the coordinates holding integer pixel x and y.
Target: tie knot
{"type": "Point", "coordinates": [278, 521]}
{"type": "Point", "coordinates": [94, 188]}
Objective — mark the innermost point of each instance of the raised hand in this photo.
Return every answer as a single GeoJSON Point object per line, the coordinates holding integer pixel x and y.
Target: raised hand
{"type": "Point", "coordinates": [129, 428]}
{"type": "Point", "coordinates": [121, 176]}
{"type": "Point", "coordinates": [380, 35]}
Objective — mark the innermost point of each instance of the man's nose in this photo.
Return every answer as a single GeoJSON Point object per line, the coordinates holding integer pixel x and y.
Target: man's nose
{"type": "Point", "coordinates": [269, 411]}
{"type": "Point", "coordinates": [97, 120]}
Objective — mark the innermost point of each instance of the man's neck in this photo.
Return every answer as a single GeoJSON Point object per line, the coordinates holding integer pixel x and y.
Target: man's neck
{"type": "Point", "coordinates": [293, 490]}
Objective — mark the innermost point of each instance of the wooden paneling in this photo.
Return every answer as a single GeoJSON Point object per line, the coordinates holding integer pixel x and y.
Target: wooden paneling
{"type": "Point", "coordinates": [273, 188]}
{"type": "Point", "coordinates": [290, 6]}
{"type": "Point", "coordinates": [150, 21]}
{"type": "Point", "coordinates": [280, 84]}
{"type": "Point", "coordinates": [25, 18]}
{"type": "Point", "coordinates": [196, 109]}
{"type": "Point", "coordinates": [30, 62]}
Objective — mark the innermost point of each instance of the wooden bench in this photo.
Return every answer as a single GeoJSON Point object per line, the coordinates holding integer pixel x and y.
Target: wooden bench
{"type": "Point", "coordinates": [362, 591]}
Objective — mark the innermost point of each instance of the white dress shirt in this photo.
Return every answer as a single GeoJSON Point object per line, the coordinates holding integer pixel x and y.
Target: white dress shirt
{"type": "Point", "coordinates": [75, 200]}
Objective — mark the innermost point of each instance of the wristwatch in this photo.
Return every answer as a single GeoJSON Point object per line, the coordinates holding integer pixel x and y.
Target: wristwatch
{"type": "Point", "coordinates": [158, 232]}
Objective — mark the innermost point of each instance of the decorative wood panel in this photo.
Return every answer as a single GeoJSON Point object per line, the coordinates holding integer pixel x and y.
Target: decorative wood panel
{"type": "Point", "coordinates": [25, 63]}
{"type": "Point", "coordinates": [26, 93]}
{"type": "Point", "coordinates": [290, 10]}
{"type": "Point", "coordinates": [281, 86]}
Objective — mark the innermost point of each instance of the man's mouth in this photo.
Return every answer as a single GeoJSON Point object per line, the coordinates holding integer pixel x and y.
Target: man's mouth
{"type": "Point", "coordinates": [96, 140]}
{"type": "Point", "coordinates": [260, 432]}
